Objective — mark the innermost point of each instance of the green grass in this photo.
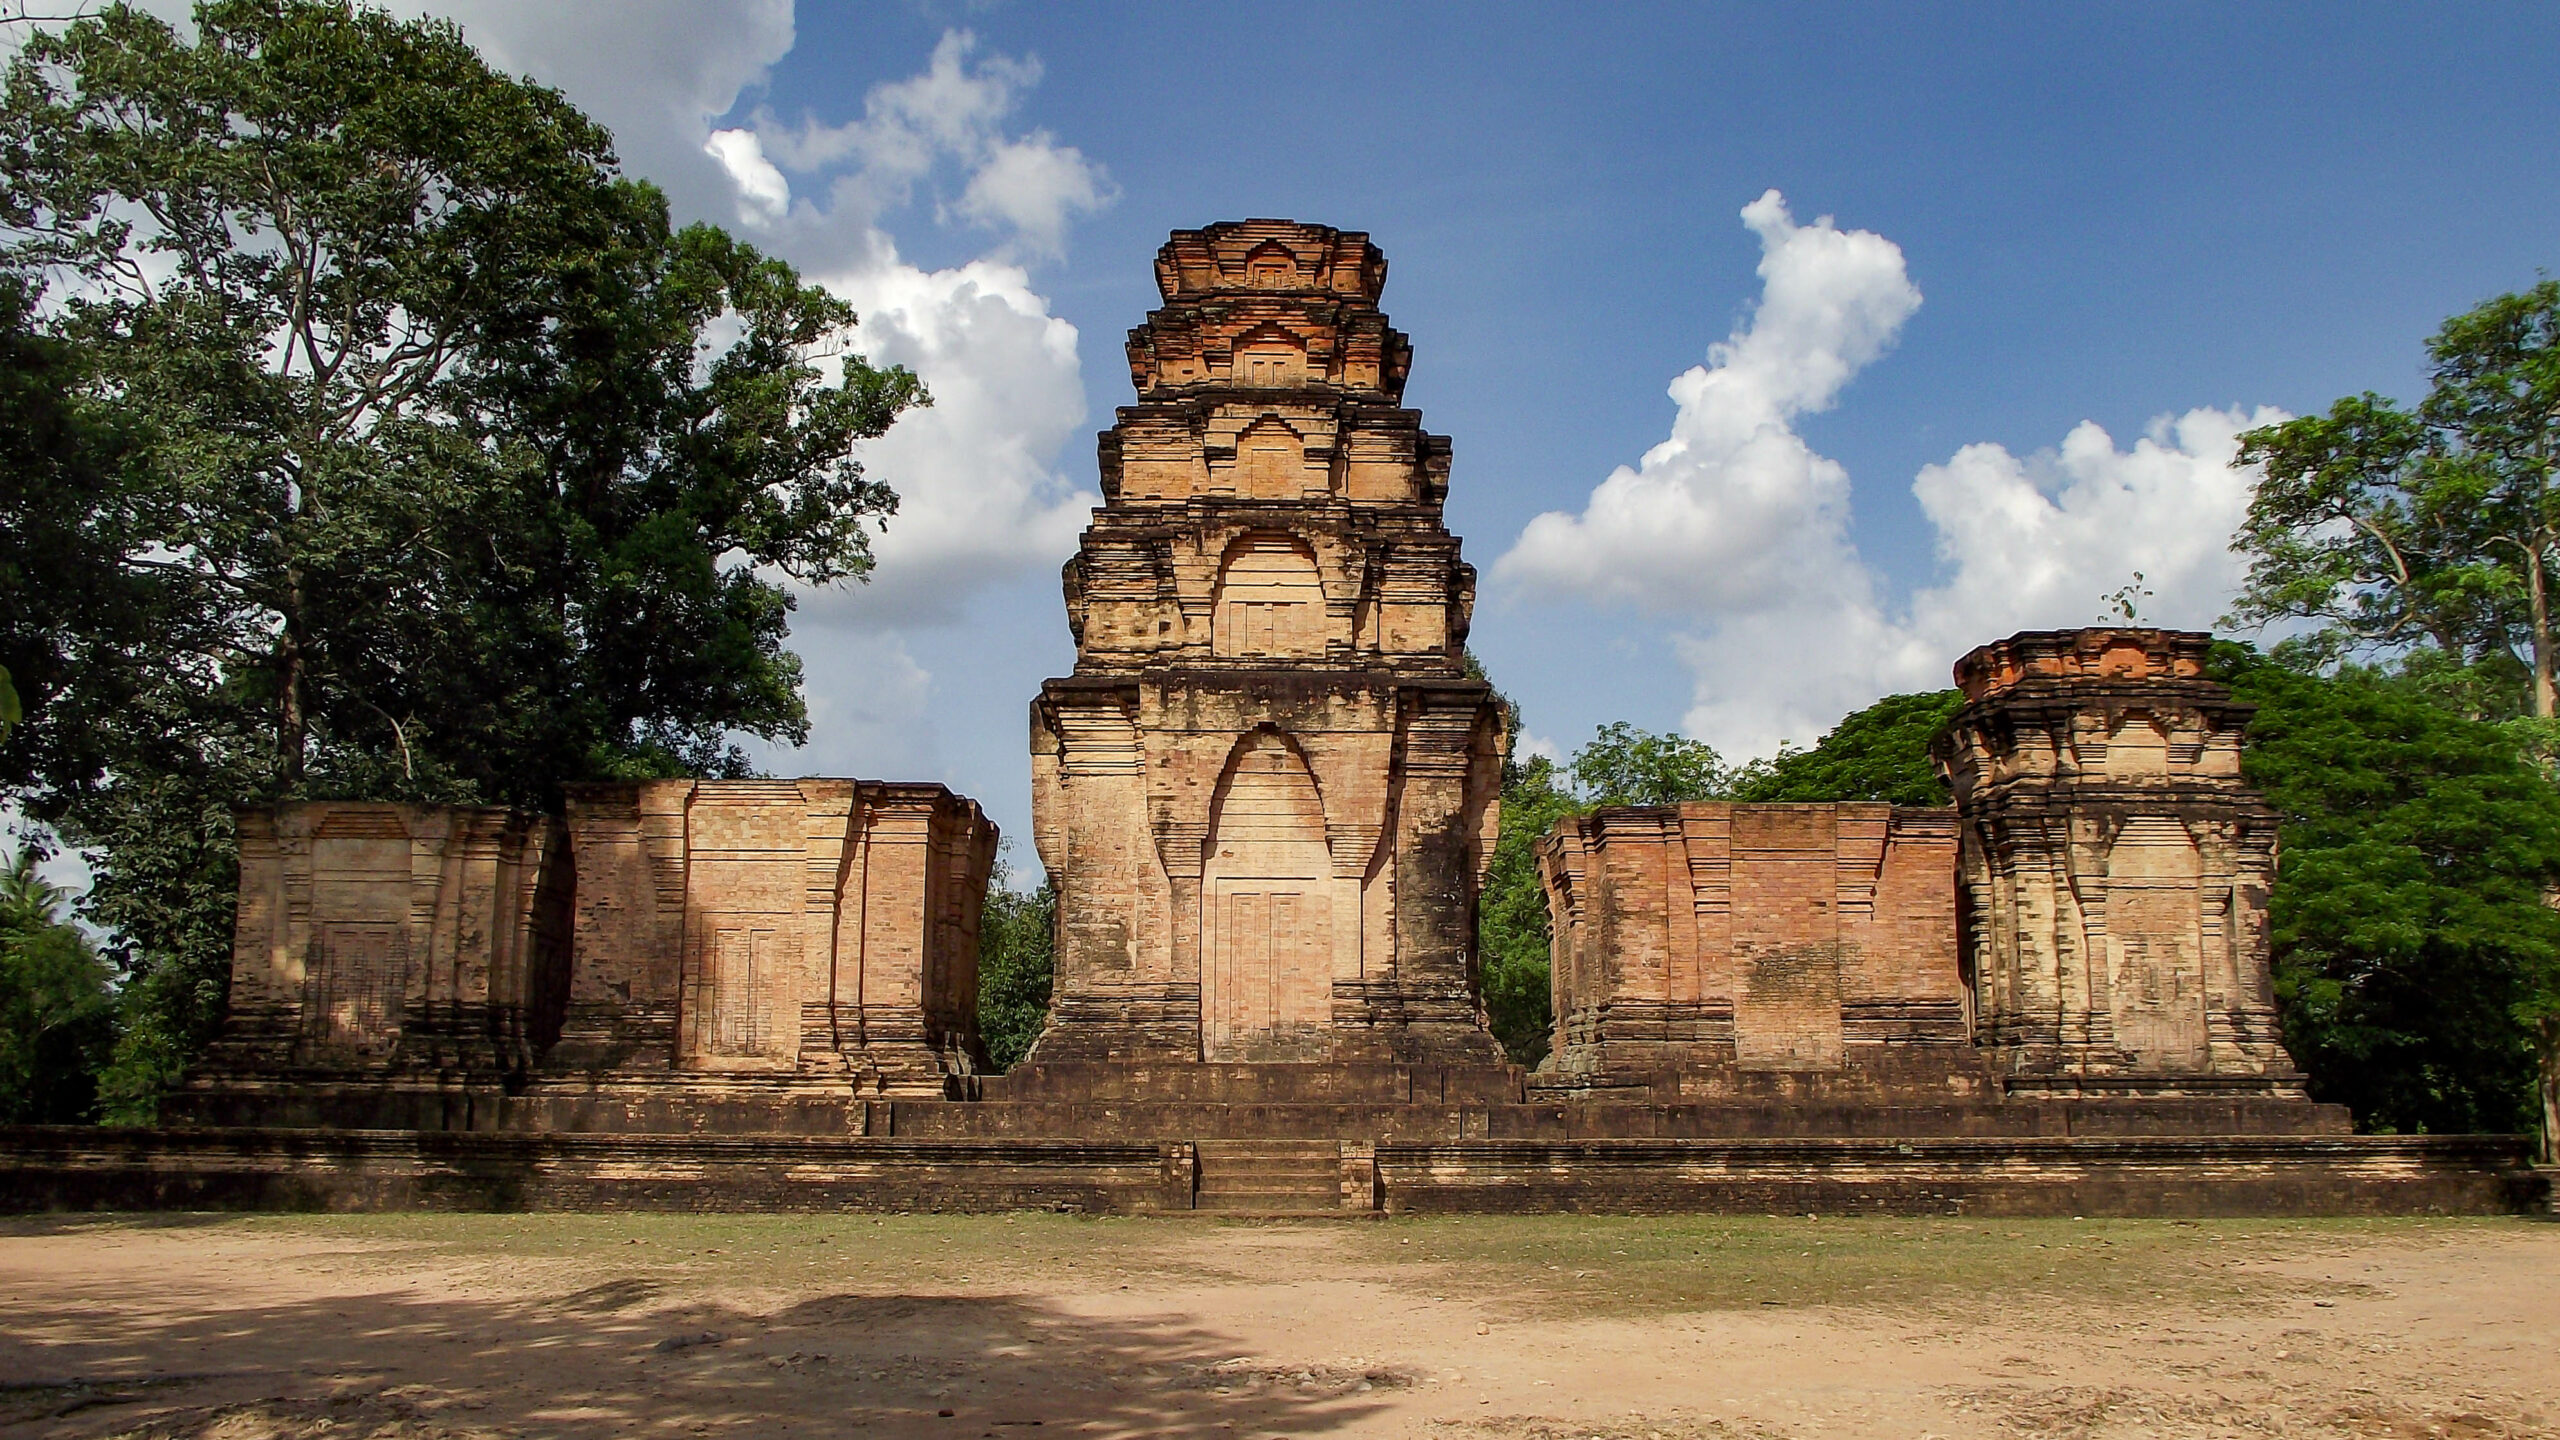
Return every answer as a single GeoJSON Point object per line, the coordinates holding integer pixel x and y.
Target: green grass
{"type": "Point", "coordinates": [1542, 1265]}
{"type": "Point", "coordinates": [1572, 1263]}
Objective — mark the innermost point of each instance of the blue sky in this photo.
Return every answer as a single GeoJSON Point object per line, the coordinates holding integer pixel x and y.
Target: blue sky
{"type": "Point", "coordinates": [2043, 218]}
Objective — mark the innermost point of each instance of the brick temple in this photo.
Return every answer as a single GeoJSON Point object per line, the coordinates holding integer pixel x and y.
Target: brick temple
{"type": "Point", "coordinates": [1268, 792]}
{"type": "Point", "coordinates": [1267, 795]}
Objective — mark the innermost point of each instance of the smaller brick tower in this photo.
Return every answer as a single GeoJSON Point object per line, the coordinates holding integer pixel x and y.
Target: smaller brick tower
{"type": "Point", "coordinates": [2114, 869]}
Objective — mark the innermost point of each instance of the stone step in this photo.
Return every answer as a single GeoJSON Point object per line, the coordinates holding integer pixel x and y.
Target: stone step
{"type": "Point", "coordinates": [1325, 1163]}
{"type": "Point", "coordinates": [1269, 1176]}
{"type": "Point", "coordinates": [1267, 1202]}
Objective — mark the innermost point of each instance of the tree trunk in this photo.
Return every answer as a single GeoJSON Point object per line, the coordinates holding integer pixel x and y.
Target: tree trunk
{"type": "Point", "coordinates": [2549, 1029]}
{"type": "Point", "coordinates": [2545, 702]}
{"type": "Point", "coordinates": [293, 725]}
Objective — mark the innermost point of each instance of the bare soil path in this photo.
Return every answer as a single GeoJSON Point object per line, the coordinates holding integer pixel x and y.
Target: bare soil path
{"type": "Point", "coordinates": [422, 1327]}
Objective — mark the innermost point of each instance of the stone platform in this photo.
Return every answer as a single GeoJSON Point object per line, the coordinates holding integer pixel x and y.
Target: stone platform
{"type": "Point", "coordinates": [81, 1168]}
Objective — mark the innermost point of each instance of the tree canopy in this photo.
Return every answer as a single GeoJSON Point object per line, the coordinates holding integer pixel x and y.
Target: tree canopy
{"type": "Point", "coordinates": [2437, 526]}
{"type": "Point", "coordinates": [2425, 538]}
{"type": "Point", "coordinates": [392, 446]}
{"type": "Point", "coordinates": [1879, 753]}
{"type": "Point", "coordinates": [2409, 917]}
{"type": "Point", "coordinates": [1626, 766]}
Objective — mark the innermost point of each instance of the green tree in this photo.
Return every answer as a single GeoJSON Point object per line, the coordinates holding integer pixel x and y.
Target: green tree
{"type": "Point", "coordinates": [2436, 527]}
{"type": "Point", "coordinates": [68, 606]}
{"type": "Point", "coordinates": [1512, 930]}
{"type": "Point", "coordinates": [1017, 960]}
{"type": "Point", "coordinates": [2429, 536]}
{"type": "Point", "coordinates": [57, 1011]}
{"type": "Point", "coordinates": [1879, 753]}
{"type": "Point", "coordinates": [449, 470]}
{"type": "Point", "coordinates": [2409, 917]}
{"type": "Point", "coordinates": [1626, 766]}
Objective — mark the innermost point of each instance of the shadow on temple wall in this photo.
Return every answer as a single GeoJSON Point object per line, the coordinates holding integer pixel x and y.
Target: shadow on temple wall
{"type": "Point", "coordinates": [615, 1358]}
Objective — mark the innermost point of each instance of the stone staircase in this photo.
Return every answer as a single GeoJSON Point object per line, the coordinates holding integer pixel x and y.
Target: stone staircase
{"type": "Point", "coordinates": [1270, 1177]}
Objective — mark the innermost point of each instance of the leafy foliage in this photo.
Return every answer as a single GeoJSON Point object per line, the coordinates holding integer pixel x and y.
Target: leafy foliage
{"type": "Point", "coordinates": [2410, 922]}
{"type": "Point", "coordinates": [1879, 753]}
{"type": "Point", "coordinates": [444, 467]}
{"type": "Point", "coordinates": [68, 605]}
{"type": "Point", "coordinates": [2436, 527]}
{"type": "Point", "coordinates": [1017, 960]}
{"type": "Point", "coordinates": [1626, 766]}
{"type": "Point", "coordinates": [57, 1013]}
{"type": "Point", "coordinates": [1512, 931]}
{"type": "Point", "coordinates": [2429, 536]}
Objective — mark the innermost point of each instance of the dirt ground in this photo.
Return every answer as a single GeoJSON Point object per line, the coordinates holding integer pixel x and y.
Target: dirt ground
{"type": "Point", "coordinates": [372, 1327]}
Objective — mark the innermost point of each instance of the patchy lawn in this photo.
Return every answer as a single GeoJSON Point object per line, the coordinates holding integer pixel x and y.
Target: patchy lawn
{"type": "Point", "coordinates": [424, 1327]}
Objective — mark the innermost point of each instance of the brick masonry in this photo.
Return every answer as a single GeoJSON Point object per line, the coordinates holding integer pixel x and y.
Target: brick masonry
{"type": "Point", "coordinates": [669, 944]}
{"type": "Point", "coordinates": [1721, 944]}
{"type": "Point", "coordinates": [2113, 868]}
{"type": "Point", "coordinates": [1267, 792]}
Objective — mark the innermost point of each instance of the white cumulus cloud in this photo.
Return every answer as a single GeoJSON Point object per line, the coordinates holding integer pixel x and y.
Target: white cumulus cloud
{"type": "Point", "coordinates": [763, 195]}
{"type": "Point", "coordinates": [1034, 186]}
{"type": "Point", "coordinates": [979, 497]}
{"type": "Point", "coordinates": [947, 127]}
{"type": "Point", "coordinates": [1740, 530]}
{"type": "Point", "coordinates": [1734, 510]}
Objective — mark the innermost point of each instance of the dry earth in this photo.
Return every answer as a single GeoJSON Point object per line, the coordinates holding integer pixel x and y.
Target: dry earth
{"type": "Point", "coordinates": [427, 1327]}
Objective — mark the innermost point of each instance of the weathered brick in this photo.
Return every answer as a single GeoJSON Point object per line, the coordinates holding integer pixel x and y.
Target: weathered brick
{"type": "Point", "coordinates": [1268, 790]}
{"type": "Point", "coordinates": [1697, 944]}
{"type": "Point", "coordinates": [2115, 867]}
{"type": "Point", "coordinates": [453, 968]}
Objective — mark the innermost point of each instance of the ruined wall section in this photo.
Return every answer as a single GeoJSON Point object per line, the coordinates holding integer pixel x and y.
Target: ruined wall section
{"type": "Point", "coordinates": [391, 964]}
{"type": "Point", "coordinates": [2115, 868]}
{"type": "Point", "coordinates": [1716, 949]}
{"type": "Point", "coordinates": [810, 930]}
{"type": "Point", "coordinates": [666, 949]}
{"type": "Point", "coordinates": [1266, 792]}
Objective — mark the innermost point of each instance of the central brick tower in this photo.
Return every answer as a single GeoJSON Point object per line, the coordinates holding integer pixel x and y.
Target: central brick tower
{"type": "Point", "coordinates": [1267, 794]}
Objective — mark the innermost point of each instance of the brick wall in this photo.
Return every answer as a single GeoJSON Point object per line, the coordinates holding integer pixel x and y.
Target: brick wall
{"type": "Point", "coordinates": [1721, 937]}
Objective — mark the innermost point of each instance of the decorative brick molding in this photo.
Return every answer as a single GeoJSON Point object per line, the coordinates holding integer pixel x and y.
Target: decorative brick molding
{"type": "Point", "coordinates": [2114, 868]}
{"type": "Point", "coordinates": [1268, 791]}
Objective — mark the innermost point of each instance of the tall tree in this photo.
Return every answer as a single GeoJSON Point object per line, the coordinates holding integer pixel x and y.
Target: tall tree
{"type": "Point", "coordinates": [69, 608]}
{"type": "Point", "coordinates": [451, 469]}
{"type": "Point", "coordinates": [2436, 527]}
{"type": "Point", "coordinates": [2430, 536]}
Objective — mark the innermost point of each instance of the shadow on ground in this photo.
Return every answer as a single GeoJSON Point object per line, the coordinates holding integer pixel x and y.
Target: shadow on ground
{"type": "Point", "coordinates": [616, 1359]}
